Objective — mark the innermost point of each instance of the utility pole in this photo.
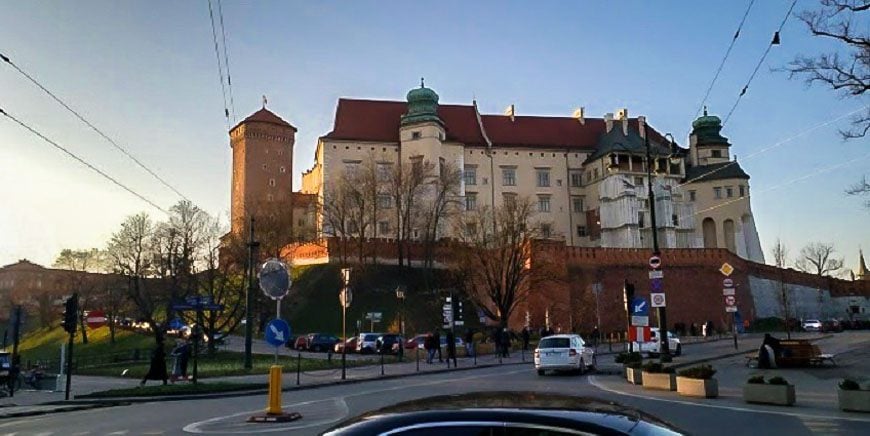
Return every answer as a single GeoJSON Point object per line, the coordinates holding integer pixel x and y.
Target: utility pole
{"type": "Point", "coordinates": [660, 311]}
{"type": "Point", "coordinates": [249, 298]}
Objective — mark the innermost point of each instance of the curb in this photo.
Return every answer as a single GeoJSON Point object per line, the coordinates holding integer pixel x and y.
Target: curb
{"type": "Point", "coordinates": [131, 400]}
{"type": "Point", "coordinates": [67, 407]}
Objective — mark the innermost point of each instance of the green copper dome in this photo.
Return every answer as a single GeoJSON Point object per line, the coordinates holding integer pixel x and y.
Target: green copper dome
{"type": "Point", "coordinates": [707, 129]}
{"type": "Point", "coordinates": [422, 106]}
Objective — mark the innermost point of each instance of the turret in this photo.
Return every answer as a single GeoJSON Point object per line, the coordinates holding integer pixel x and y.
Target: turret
{"type": "Point", "coordinates": [422, 130]}
{"type": "Point", "coordinates": [706, 143]}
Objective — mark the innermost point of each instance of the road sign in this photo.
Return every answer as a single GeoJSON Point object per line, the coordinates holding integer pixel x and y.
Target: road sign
{"type": "Point", "coordinates": [728, 291]}
{"type": "Point", "coordinates": [345, 276]}
{"type": "Point", "coordinates": [727, 283]}
{"type": "Point", "coordinates": [639, 334]}
{"type": "Point", "coordinates": [277, 332]}
{"type": "Point", "coordinates": [274, 279]}
{"type": "Point", "coordinates": [345, 297]}
{"type": "Point", "coordinates": [639, 321]}
{"type": "Point", "coordinates": [657, 300]}
{"type": "Point", "coordinates": [656, 274]}
{"type": "Point", "coordinates": [726, 269]}
{"type": "Point", "coordinates": [639, 307]}
{"type": "Point", "coordinates": [731, 308]}
{"type": "Point", "coordinates": [730, 300]}
{"type": "Point", "coordinates": [96, 319]}
{"type": "Point", "coordinates": [655, 262]}
{"type": "Point", "coordinates": [656, 285]}
{"type": "Point", "coordinates": [374, 316]}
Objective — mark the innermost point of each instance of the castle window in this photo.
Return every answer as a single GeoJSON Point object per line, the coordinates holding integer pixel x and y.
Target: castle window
{"type": "Point", "coordinates": [470, 175]}
{"type": "Point", "coordinates": [576, 179]}
{"type": "Point", "coordinates": [264, 166]}
{"type": "Point", "coordinates": [269, 197]}
{"type": "Point", "coordinates": [577, 203]}
{"type": "Point", "coordinates": [543, 178]}
{"type": "Point", "coordinates": [415, 135]}
{"type": "Point", "coordinates": [717, 192]}
{"type": "Point", "coordinates": [742, 191]}
{"type": "Point", "coordinates": [729, 191]}
{"type": "Point", "coordinates": [691, 195]}
{"type": "Point", "coordinates": [383, 227]}
{"type": "Point", "coordinates": [581, 231]}
{"type": "Point", "coordinates": [543, 203]}
{"type": "Point", "coordinates": [280, 152]}
{"type": "Point", "coordinates": [717, 153]}
{"type": "Point", "coordinates": [470, 201]}
{"type": "Point", "coordinates": [509, 176]}
{"type": "Point", "coordinates": [384, 171]}
{"type": "Point", "coordinates": [675, 219]}
{"type": "Point", "coordinates": [385, 201]}
{"type": "Point", "coordinates": [640, 220]}
{"type": "Point", "coordinates": [595, 173]}
{"type": "Point", "coordinates": [272, 182]}
{"type": "Point", "coordinates": [510, 200]}
{"type": "Point", "coordinates": [546, 230]}
{"type": "Point", "coordinates": [283, 170]}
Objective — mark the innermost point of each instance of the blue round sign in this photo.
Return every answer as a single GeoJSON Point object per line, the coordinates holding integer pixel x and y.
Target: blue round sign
{"type": "Point", "coordinates": [277, 332]}
{"type": "Point", "coordinates": [176, 324]}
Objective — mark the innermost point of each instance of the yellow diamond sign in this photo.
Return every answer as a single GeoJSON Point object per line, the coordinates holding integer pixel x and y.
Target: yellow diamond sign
{"type": "Point", "coordinates": [726, 269]}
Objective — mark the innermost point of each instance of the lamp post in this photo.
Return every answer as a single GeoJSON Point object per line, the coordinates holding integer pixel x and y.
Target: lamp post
{"type": "Point", "coordinates": [400, 295]}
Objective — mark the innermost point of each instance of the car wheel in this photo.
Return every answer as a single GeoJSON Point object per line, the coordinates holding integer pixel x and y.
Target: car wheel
{"type": "Point", "coordinates": [679, 350]}
{"type": "Point", "coordinates": [540, 372]}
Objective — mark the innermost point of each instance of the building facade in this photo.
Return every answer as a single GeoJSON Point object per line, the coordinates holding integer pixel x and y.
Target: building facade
{"type": "Point", "coordinates": [586, 176]}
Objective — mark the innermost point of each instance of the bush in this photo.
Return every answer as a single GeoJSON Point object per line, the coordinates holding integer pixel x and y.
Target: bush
{"type": "Point", "coordinates": [628, 358]}
{"type": "Point", "coordinates": [756, 380]}
{"type": "Point", "coordinates": [658, 368]}
{"type": "Point", "coordinates": [849, 385]}
{"type": "Point", "coordinates": [634, 365]}
{"type": "Point", "coordinates": [778, 381]}
{"type": "Point", "coordinates": [703, 372]}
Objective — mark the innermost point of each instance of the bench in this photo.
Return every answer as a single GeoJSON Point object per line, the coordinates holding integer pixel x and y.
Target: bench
{"type": "Point", "coordinates": [795, 353]}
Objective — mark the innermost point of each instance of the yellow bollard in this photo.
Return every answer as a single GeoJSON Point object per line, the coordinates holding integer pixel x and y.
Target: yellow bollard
{"type": "Point", "coordinates": [274, 406]}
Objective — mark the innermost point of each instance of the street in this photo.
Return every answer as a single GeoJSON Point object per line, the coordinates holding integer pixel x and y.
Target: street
{"type": "Point", "coordinates": [815, 411]}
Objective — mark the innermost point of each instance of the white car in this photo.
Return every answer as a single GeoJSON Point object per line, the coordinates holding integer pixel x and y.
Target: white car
{"type": "Point", "coordinates": [812, 325]}
{"type": "Point", "coordinates": [563, 353]}
{"type": "Point", "coordinates": [367, 343]}
{"type": "Point", "coordinates": [653, 347]}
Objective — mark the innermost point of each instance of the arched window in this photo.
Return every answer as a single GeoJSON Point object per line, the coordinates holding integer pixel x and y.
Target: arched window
{"type": "Point", "coordinates": [709, 229]}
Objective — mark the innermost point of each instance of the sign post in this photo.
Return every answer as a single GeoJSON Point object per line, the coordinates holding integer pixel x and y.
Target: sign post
{"type": "Point", "coordinates": [729, 294]}
{"type": "Point", "coordinates": [345, 297]}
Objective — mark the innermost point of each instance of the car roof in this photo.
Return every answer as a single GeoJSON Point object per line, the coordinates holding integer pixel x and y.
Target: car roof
{"type": "Point", "coordinates": [562, 336]}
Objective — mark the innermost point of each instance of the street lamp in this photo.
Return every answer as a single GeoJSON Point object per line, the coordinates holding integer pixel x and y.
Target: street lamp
{"type": "Point", "coordinates": [400, 295]}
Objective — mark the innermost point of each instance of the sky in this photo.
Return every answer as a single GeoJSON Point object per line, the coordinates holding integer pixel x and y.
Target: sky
{"type": "Point", "coordinates": [146, 74]}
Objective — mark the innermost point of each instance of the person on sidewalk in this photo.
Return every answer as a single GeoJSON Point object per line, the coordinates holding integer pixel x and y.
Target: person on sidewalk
{"type": "Point", "coordinates": [596, 336]}
{"type": "Point", "coordinates": [469, 343]}
{"type": "Point", "coordinates": [451, 348]}
{"type": "Point", "coordinates": [157, 370]}
{"type": "Point", "coordinates": [428, 345]}
{"type": "Point", "coordinates": [505, 343]}
{"type": "Point", "coordinates": [436, 339]}
{"type": "Point", "coordinates": [526, 337]}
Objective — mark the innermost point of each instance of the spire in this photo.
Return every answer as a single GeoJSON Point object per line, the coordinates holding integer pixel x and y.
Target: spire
{"type": "Point", "coordinates": [264, 101]}
{"type": "Point", "coordinates": [862, 267]}
{"type": "Point", "coordinates": [421, 83]}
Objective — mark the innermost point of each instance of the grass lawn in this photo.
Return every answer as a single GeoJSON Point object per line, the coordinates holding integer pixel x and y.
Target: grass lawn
{"type": "Point", "coordinates": [225, 363]}
{"type": "Point", "coordinates": [42, 344]}
{"type": "Point", "coordinates": [175, 389]}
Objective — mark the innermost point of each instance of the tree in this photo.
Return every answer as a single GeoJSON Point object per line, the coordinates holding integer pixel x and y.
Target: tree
{"type": "Point", "coordinates": [221, 283]}
{"type": "Point", "coordinates": [846, 71]}
{"type": "Point", "coordinates": [81, 263]}
{"type": "Point", "coordinates": [439, 206]}
{"type": "Point", "coordinates": [780, 258]}
{"type": "Point", "coordinates": [492, 259]}
{"type": "Point", "coordinates": [817, 258]}
{"type": "Point", "coordinates": [406, 186]}
{"type": "Point", "coordinates": [338, 210]}
{"type": "Point", "coordinates": [861, 189]}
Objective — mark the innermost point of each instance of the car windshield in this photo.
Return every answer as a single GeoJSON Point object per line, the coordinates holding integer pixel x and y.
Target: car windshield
{"type": "Point", "coordinates": [555, 343]}
{"type": "Point", "coordinates": [370, 338]}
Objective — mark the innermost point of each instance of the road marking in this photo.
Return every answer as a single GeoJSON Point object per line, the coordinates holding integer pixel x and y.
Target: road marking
{"type": "Point", "coordinates": [195, 427]}
{"type": "Point", "coordinates": [594, 382]}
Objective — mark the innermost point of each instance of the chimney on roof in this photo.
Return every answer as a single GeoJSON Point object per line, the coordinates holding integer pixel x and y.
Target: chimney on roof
{"type": "Point", "coordinates": [510, 111]}
{"type": "Point", "coordinates": [641, 124]}
{"type": "Point", "coordinates": [579, 114]}
{"type": "Point", "coordinates": [608, 121]}
{"type": "Point", "coordinates": [622, 115]}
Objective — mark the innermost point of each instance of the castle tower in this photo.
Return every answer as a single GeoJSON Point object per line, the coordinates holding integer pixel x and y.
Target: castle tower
{"type": "Point", "coordinates": [422, 131]}
{"type": "Point", "coordinates": [706, 144]}
{"type": "Point", "coordinates": [862, 273]}
{"type": "Point", "coordinates": [262, 167]}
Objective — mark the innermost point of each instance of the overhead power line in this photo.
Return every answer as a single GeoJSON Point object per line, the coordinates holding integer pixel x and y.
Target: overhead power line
{"type": "Point", "coordinates": [220, 64]}
{"type": "Point", "coordinates": [724, 58]}
{"type": "Point", "coordinates": [773, 41]}
{"type": "Point", "coordinates": [93, 127]}
{"type": "Point", "coordinates": [227, 62]}
{"type": "Point", "coordinates": [82, 161]}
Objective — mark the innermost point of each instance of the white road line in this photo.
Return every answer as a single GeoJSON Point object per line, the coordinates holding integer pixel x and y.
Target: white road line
{"type": "Point", "coordinates": [195, 427]}
{"type": "Point", "coordinates": [593, 381]}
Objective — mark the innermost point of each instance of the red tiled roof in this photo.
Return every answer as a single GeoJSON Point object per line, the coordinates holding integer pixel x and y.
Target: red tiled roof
{"type": "Point", "coordinates": [379, 121]}
{"type": "Point", "coordinates": [265, 116]}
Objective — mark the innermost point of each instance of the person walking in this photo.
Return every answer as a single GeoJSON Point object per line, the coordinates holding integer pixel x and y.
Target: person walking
{"type": "Point", "coordinates": [596, 336]}
{"type": "Point", "coordinates": [176, 361]}
{"type": "Point", "coordinates": [428, 345]}
{"type": "Point", "coordinates": [184, 358]}
{"type": "Point", "coordinates": [157, 370]}
{"type": "Point", "coordinates": [526, 337]}
{"type": "Point", "coordinates": [436, 339]}
{"type": "Point", "coordinates": [451, 348]}
{"type": "Point", "coordinates": [505, 341]}
{"type": "Point", "coordinates": [469, 343]}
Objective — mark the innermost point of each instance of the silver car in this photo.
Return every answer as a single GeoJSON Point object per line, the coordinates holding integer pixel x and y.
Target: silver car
{"type": "Point", "coordinates": [563, 353]}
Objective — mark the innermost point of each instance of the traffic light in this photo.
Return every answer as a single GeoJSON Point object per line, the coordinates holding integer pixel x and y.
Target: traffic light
{"type": "Point", "coordinates": [71, 314]}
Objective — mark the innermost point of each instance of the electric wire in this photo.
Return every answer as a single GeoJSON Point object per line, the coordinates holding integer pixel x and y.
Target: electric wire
{"type": "Point", "coordinates": [760, 62]}
{"type": "Point", "coordinates": [82, 161]}
{"type": "Point", "coordinates": [772, 146]}
{"type": "Point", "coordinates": [227, 61]}
{"type": "Point", "coordinates": [725, 58]}
{"type": "Point", "coordinates": [220, 66]}
{"type": "Point", "coordinates": [92, 126]}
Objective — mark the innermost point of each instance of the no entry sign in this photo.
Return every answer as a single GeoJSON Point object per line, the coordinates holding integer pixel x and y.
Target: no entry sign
{"type": "Point", "coordinates": [96, 319]}
{"type": "Point", "coordinates": [655, 262]}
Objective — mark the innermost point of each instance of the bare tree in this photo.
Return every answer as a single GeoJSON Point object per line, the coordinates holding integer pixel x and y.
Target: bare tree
{"type": "Point", "coordinates": [220, 282]}
{"type": "Point", "coordinates": [492, 259]}
{"type": "Point", "coordinates": [81, 263]}
{"type": "Point", "coordinates": [818, 258]}
{"type": "Point", "coordinates": [846, 71]}
{"type": "Point", "coordinates": [338, 211]}
{"type": "Point", "coordinates": [780, 258]}
{"type": "Point", "coordinates": [440, 206]}
{"type": "Point", "coordinates": [407, 185]}
{"type": "Point", "coordinates": [861, 189]}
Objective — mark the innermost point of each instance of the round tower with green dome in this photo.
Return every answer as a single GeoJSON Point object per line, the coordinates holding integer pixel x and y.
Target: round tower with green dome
{"type": "Point", "coordinates": [422, 106]}
{"type": "Point", "coordinates": [707, 145]}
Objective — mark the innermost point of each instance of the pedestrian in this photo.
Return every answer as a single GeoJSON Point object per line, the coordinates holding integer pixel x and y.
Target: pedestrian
{"type": "Point", "coordinates": [429, 346]}
{"type": "Point", "coordinates": [496, 342]}
{"type": "Point", "coordinates": [451, 347]}
{"type": "Point", "coordinates": [436, 339]}
{"type": "Point", "coordinates": [176, 361]}
{"type": "Point", "coordinates": [505, 343]}
{"type": "Point", "coordinates": [469, 343]}
{"type": "Point", "coordinates": [184, 358]}
{"type": "Point", "coordinates": [157, 370]}
{"type": "Point", "coordinates": [526, 339]}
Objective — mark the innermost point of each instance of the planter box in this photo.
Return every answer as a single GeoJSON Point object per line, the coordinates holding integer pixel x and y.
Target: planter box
{"type": "Point", "coordinates": [694, 387]}
{"type": "Point", "coordinates": [633, 376]}
{"type": "Point", "coordinates": [854, 401]}
{"type": "Point", "coordinates": [782, 395]}
{"type": "Point", "coordinates": [662, 381]}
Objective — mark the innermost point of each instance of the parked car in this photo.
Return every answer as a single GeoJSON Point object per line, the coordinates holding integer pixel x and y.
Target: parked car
{"type": "Point", "coordinates": [653, 347]}
{"type": "Point", "coordinates": [291, 341]}
{"type": "Point", "coordinates": [386, 344]}
{"type": "Point", "coordinates": [459, 342]}
{"type": "Point", "coordinates": [812, 325]}
{"type": "Point", "coordinates": [563, 353]}
{"type": "Point", "coordinates": [832, 325]}
{"type": "Point", "coordinates": [367, 343]}
{"type": "Point", "coordinates": [415, 342]}
{"type": "Point", "coordinates": [349, 344]}
{"type": "Point", "coordinates": [318, 342]}
{"type": "Point", "coordinates": [301, 343]}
